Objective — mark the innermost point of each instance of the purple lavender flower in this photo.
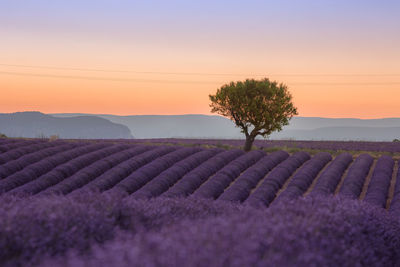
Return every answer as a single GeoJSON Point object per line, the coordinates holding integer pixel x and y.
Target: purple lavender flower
{"type": "Point", "coordinates": [354, 180]}
{"type": "Point", "coordinates": [241, 187]}
{"type": "Point", "coordinates": [331, 176]}
{"type": "Point", "coordinates": [378, 187]}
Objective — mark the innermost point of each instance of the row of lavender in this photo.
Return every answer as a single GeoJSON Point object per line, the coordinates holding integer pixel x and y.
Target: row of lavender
{"type": "Point", "coordinates": [143, 171]}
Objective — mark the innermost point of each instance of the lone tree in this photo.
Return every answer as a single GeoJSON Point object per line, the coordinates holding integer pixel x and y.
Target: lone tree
{"type": "Point", "coordinates": [257, 107]}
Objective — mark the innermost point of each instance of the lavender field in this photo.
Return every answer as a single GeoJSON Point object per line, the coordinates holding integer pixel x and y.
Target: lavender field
{"type": "Point", "coordinates": [102, 203]}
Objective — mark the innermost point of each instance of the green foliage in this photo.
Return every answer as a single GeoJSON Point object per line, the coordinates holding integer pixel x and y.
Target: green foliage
{"type": "Point", "coordinates": [3, 135]}
{"type": "Point", "coordinates": [396, 140]}
{"type": "Point", "coordinates": [257, 107]}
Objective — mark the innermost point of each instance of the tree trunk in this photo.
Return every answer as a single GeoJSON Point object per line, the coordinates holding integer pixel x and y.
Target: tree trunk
{"type": "Point", "coordinates": [249, 143]}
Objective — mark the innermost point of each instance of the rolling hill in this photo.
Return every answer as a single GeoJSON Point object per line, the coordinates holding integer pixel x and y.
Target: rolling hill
{"type": "Point", "coordinates": [36, 124]}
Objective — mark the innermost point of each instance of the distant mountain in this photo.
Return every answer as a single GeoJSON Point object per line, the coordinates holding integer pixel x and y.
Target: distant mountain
{"type": "Point", "coordinates": [300, 128]}
{"type": "Point", "coordinates": [178, 126]}
{"type": "Point", "coordinates": [35, 124]}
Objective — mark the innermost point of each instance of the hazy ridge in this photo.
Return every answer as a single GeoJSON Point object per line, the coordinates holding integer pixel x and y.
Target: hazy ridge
{"type": "Point", "coordinates": [36, 124]}
{"type": "Point", "coordinates": [300, 128]}
{"type": "Point", "coordinates": [99, 126]}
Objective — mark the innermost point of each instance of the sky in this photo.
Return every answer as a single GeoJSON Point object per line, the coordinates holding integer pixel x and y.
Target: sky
{"type": "Point", "coordinates": [339, 58]}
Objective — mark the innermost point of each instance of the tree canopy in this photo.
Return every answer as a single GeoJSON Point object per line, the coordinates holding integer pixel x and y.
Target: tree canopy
{"type": "Point", "coordinates": [257, 107]}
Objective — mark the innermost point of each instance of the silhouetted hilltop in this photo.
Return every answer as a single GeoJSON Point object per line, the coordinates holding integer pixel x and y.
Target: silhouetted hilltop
{"type": "Point", "coordinates": [36, 124]}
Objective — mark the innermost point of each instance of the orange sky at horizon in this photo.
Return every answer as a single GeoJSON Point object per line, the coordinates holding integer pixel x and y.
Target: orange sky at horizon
{"type": "Point", "coordinates": [140, 98]}
{"type": "Point", "coordinates": [334, 68]}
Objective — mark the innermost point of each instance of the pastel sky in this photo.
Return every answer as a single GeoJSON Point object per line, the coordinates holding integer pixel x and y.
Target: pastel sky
{"type": "Point", "coordinates": [339, 58]}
